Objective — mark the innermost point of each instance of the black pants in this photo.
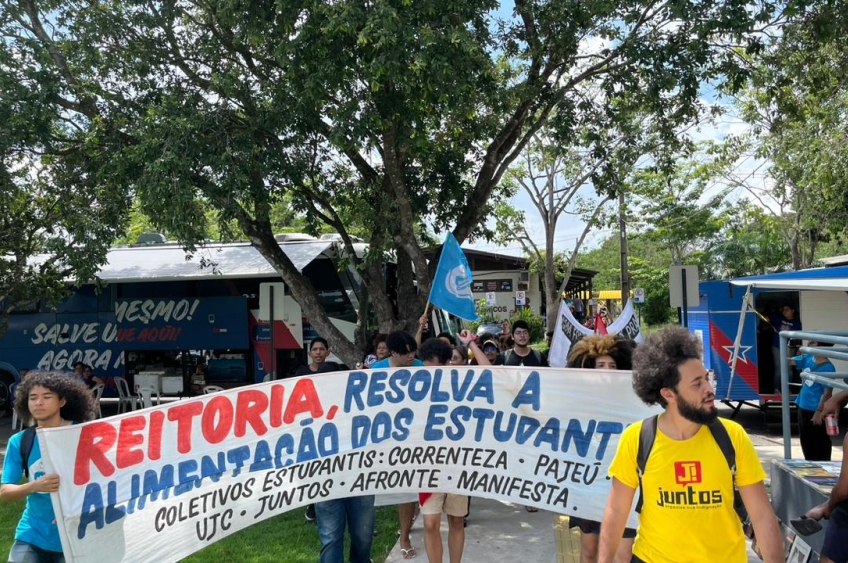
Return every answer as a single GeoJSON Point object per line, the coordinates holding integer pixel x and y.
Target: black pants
{"type": "Point", "coordinates": [636, 560]}
{"type": "Point", "coordinates": [815, 443]}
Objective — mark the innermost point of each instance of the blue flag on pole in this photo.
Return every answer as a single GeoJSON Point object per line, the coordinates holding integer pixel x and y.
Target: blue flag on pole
{"type": "Point", "coordinates": [451, 290]}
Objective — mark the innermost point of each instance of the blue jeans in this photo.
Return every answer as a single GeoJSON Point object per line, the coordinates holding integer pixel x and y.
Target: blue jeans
{"type": "Point", "coordinates": [358, 514]}
{"type": "Point", "coordinates": [23, 552]}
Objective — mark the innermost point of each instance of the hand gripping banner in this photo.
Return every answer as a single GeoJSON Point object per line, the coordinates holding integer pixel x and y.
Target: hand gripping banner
{"type": "Point", "coordinates": [159, 484]}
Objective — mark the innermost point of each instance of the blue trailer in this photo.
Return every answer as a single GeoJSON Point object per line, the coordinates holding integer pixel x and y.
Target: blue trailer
{"type": "Point", "coordinates": [732, 320]}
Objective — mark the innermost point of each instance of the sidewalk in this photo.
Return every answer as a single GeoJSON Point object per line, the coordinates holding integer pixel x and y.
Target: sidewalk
{"type": "Point", "coordinates": [497, 532]}
{"type": "Point", "coordinates": [501, 532]}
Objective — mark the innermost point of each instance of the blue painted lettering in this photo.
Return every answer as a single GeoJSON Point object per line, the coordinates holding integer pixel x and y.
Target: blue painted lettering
{"type": "Point", "coordinates": [238, 457]}
{"type": "Point", "coordinates": [92, 509]}
{"type": "Point", "coordinates": [434, 419]}
{"type": "Point", "coordinates": [530, 393]}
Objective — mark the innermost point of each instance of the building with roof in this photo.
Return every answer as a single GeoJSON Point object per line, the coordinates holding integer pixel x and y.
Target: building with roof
{"type": "Point", "coordinates": [504, 275]}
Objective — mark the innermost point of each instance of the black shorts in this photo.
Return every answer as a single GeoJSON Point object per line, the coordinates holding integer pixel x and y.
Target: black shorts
{"type": "Point", "coordinates": [835, 546]}
{"type": "Point", "coordinates": [593, 527]}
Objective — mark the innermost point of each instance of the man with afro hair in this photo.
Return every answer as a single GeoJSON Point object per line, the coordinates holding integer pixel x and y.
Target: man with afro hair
{"type": "Point", "coordinates": [686, 485]}
{"type": "Point", "coordinates": [49, 400]}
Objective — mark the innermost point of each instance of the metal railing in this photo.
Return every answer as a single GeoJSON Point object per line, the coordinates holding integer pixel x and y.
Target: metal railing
{"type": "Point", "coordinates": [827, 379]}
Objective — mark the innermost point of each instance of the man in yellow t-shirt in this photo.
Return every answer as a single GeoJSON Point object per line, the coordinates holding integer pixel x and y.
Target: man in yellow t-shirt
{"type": "Point", "coordinates": [687, 513]}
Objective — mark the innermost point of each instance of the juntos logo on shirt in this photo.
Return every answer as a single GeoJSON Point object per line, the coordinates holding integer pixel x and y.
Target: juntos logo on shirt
{"type": "Point", "coordinates": [688, 473]}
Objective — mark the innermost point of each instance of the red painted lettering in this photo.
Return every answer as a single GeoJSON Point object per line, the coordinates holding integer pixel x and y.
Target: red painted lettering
{"type": "Point", "coordinates": [278, 393]}
{"type": "Point", "coordinates": [154, 440]}
{"type": "Point", "coordinates": [95, 440]}
{"type": "Point", "coordinates": [250, 406]}
{"type": "Point", "coordinates": [184, 414]}
{"type": "Point", "coordinates": [129, 437]}
{"type": "Point", "coordinates": [126, 335]}
{"type": "Point", "coordinates": [217, 419]}
{"type": "Point", "coordinates": [304, 398]}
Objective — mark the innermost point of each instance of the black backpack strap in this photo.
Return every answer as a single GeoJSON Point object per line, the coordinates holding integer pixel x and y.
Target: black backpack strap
{"type": "Point", "coordinates": [721, 437]}
{"type": "Point", "coordinates": [27, 441]}
{"type": "Point", "coordinates": [647, 435]}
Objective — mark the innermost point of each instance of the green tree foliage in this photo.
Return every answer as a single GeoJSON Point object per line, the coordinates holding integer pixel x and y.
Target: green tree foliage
{"type": "Point", "coordinates": [558, 182]}
{"type": "Point", "coordinates": [675, 208]}
{"type": "Point", "coordinates": [56, 220]}
{"type": "Point", "coordinates": [388, 113]}
{"type": "Point", "coordinates": [749, 243]}
{"type": "Point", "coordinates": [648, 263]}
{"type": "Point", "coordinates": [796, 105]}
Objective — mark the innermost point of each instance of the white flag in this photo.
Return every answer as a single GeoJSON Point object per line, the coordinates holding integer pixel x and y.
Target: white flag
{"type": "Point", "coordinates": [627, 324]}
{"type": "Point", "coordinates": [566, 332]}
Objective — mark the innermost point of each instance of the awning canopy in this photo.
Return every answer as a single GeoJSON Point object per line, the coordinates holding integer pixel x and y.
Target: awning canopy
{"type": "Point", "coordinates": [169, 262]}
{"type": "Point", "coordinates": [828, 279]}
{"type": "Point", "coordinates": [828, 284]}
{"type": "Point", "coordinates": [614, 294]}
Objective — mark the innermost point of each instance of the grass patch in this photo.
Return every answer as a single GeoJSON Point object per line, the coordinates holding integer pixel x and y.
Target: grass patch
{"type": "Point", "coordinates": [288, 537]}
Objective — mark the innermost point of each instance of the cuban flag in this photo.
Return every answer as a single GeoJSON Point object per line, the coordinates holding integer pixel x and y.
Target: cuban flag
{"type": "Point", "coordinates": [451, 289]}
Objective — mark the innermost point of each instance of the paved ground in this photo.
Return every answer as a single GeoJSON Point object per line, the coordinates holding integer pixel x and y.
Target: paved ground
{"type": "Point", "coordinates": [501, 532]}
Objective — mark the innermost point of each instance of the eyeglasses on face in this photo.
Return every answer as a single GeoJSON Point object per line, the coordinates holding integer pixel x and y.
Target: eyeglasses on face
{"type": "Point", "coordinates": [490, 348]}
{"type": "Point", "coordinates": [520, 333]}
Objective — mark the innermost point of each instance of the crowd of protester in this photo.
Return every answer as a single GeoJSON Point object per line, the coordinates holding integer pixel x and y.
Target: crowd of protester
{"type": "Point", "coordinates": [667, 371]}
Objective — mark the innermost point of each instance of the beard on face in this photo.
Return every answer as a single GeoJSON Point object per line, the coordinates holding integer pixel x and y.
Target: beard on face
{"type": "Point", "coordinates": [695, 413]}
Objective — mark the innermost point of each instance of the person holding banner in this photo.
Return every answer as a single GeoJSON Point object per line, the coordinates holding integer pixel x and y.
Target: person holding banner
{"type": "Point", "coordinates": [402, 349]}
{"type": "Point", "coordinates": [435, 352]}
{"type": "Point", "coordinates": [357, 513]}
{"type": "Point", "coordinates": [50, 399]}
{"type": "Point", "coordinates": [601, 352]}
{"type": "Point", "coordinates": [686, 483]}
{"type": "Point", "coordinates": [319, 349]}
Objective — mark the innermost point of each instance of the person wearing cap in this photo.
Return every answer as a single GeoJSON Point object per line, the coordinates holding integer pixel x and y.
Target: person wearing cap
{"type": "Point", "coordinates": [491, 350]}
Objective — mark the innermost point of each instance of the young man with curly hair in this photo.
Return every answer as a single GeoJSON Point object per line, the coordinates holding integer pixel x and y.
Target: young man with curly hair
{"type": "Point", "coordinates": [688, 489]}
{"type": "Point", "coordinates": [50, 400]}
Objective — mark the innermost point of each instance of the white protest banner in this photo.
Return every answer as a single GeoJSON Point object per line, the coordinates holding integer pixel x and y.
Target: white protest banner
{"type": "Point", "coordinates": [159, 484]}
{"type": "Point", "coordinates": [627, 324]}
{"type": "Point", "coordinates": [567, 332]}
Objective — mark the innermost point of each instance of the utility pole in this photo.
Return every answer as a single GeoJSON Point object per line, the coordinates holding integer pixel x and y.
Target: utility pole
{"type": "Point", "coordinates": [622, 234]}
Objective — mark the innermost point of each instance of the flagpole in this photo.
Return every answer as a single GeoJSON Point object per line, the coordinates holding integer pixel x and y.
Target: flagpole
{"type": "Point", "coordinates": [420, 333]}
